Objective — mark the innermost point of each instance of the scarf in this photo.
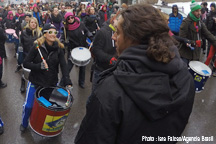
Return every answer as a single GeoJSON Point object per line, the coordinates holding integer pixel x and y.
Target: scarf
{"type": "Point", "coordinates": [56, 19]}
{"type": "Point", "coordinates": [83, 14]}
{"type": "Point", "coordinates": [105, 16]}
{"type": "Point", "coordinates": [37, 17]}
{"type": "Point", "coordinates": [8, 17]}
{"type": "Point", "coordinates": [75, 25]}
{"type": "Point", "coordinates": [20, 15]}
{"type": "Point", "coordinates": [193, 17]}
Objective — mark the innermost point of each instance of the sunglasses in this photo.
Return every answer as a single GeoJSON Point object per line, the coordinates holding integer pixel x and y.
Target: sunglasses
{"type": "Point", "coordinates": [70, 18]}
{"type": "Point", "coordinates": [51, 32]}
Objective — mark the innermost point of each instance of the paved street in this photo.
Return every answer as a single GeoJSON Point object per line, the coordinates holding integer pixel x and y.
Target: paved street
{"type": "Point", "coordinates": [201, 123]}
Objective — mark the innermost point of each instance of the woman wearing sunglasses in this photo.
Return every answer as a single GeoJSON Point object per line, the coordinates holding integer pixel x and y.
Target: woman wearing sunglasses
{"type": "Point", "coordinates": [76, 33]}
{"type": "Point", "coordinates": [44, 72]}
{"type": "Point", "coordinates": [28, 36]}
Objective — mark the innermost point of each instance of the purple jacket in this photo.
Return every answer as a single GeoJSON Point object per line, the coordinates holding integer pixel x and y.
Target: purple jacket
{"type": "Point", "coordinates": [58, 26]}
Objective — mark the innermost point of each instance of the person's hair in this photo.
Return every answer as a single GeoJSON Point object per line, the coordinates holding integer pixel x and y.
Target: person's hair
{"type": "Point", "coordinates": [144, 24]}
{"type": "Point", "coordinates": [90, 9]}
{"type": "Point", "coordinates": [42, 39]}
{"type": "Point", "coordinates": [37, 29]}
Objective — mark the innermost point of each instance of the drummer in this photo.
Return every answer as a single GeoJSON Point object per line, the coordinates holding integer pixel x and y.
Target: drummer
{"type": "Point", "coordinates": [75, 35]}
{"type": "Point", "coordinates": [44, 72]}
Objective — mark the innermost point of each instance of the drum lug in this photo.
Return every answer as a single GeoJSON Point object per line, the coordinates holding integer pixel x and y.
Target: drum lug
{"type": "Point", "coordinates": [194, 73]}
{"type": "Point", "coordinates": [196, 89]}
{"type": "Point", "coordinates": [203, 88]}
{"type": "Point", "coordinates": [203, 77]}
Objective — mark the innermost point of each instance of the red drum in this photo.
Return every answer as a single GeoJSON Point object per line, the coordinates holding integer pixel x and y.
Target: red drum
{"type": "Point", "coordinates": [49, 114]}
{"type": "Point", "coordinates": [9, 34]}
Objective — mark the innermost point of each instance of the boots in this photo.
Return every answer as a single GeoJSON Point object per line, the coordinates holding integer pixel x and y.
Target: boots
{"type": "Point", "coordinates": [22, 89]}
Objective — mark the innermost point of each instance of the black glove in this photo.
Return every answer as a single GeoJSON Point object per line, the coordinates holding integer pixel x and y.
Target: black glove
{"type": "Point", "coordinates": [186, 41]}
{"type": "Point", "coordinates": [42, 66]}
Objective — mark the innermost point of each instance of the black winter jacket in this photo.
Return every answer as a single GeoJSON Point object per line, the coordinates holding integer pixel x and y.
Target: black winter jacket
{"type": "Point", "coordinates": [27, 40]}
{"type": "Point", "coordinates": [77, 37]}
{"type": "Point", "coordinates": [103, 48]}
{"type": "Point", "coordinates": [139, 97]}
{"type": "Point", "coordinates": [53, 56]}
{"type": "Point", "coordinates": [210, 22]}
{"type": "Point", "coordinates": [9, 24]}
{"type": "Point", "coordinates": [90, 23]}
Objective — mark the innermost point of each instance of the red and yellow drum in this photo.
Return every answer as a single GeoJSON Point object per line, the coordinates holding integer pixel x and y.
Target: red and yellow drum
{"type": "Point", "coordinates": [50, 114]}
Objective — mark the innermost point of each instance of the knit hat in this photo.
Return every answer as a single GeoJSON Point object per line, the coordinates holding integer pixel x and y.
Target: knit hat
{"type": "Point", "coordinates": [28, 14]}
{"type": "Point", "coordinates": [212, 5]}
{"type": "Point", "coordinates": [194, 6]}
{"type": "Point", "coordinates": [48, 26]}
{"type": "Point", "coordinates": [68, 14]}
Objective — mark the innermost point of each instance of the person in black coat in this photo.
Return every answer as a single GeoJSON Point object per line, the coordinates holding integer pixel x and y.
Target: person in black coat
{"type": "Point", "coordinates": [8, 21]}
{"type": "Point", "coordinates": [75, 35]}
{"type": "Point", "coordinates": [44, 73]}
{"type": "Point", "coordinates": [2, 43]}
{"type": "Point", "coordinates": [27, 37]}
{"type": "Point", "coordinates": [103, 16]}
{"type": "Point", "coordinates": [91, 21]}
{"type": "Point", "coordinates": [148, 93]}
{"type": "Point", "coordinates": [103, 50]}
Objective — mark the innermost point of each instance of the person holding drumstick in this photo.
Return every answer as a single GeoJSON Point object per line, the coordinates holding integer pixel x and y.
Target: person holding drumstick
{"type": "Point", "coordinates": [43, 60]}
{"type": "Point", "coordinates": [75, 33]}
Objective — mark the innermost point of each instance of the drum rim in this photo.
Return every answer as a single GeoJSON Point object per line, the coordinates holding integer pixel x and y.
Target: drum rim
{"type": "Point", "coordinates": [198, 71]}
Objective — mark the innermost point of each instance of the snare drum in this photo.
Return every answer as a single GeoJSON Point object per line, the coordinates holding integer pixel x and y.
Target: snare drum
{"type": "Point", "coordinates": [9, 34]}
{"type": "Point", "coordinates": [200, 73]}
{"type": "Point", "coordinates": [81, 56]}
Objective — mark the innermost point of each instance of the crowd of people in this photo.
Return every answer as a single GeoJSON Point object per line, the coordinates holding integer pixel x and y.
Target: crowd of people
{"type": "Point", "coordinates": [140, 78]}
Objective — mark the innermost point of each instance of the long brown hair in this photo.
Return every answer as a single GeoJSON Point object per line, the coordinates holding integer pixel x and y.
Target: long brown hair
{"type": "Point", "coordinates": [145, 25]}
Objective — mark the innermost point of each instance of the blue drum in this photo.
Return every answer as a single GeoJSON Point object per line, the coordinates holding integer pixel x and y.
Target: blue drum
{"type": "Point", "coordinates": [9, 34]}
{"type": "Point", "coordinates": [200, 73]}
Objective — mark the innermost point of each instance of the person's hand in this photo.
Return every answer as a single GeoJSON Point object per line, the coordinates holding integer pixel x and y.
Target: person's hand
{"type": "Point", "coordinates": [198, 43]}
{"type": "Point", "coordinates": [44, 65]}
{"type": "Point", "coordinates": [113, 61]}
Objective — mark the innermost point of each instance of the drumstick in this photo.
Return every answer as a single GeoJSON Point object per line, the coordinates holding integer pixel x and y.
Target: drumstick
{"type": "Point", "coordinates": [40, 54]}
{"type": "Point", "coordinates": [90, 46]}
{"type": "Point", "coordinates": [68, 99]}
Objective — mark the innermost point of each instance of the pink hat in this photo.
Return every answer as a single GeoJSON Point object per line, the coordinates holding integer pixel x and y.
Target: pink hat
{"type": "Point", "coordinates": [68, 14]}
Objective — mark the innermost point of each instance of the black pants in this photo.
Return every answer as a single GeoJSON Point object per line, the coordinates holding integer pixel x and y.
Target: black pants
{"type": "Point", "coordinates": [1, 70]}
{"type": "Point", "coordinates": [81, 72]}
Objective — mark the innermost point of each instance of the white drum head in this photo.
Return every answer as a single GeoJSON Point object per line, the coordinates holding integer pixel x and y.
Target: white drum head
{"type": "Point", "coordinates": [81, 56]}
{"type": "Point", "coordinates": [10, 31]}
{"type": "Point", "coordinates": [200, 68]}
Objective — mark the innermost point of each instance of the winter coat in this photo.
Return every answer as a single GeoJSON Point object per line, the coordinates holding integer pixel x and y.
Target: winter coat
{"type": "Point", "coordinates": [102, 18]}
{"type": "Point", "coordinates": [9, 24]}
{"type": "Point", "coordinates": [139, 97]}
{"type": "Point", "coordinates": [210, 22]}
{"type": "Point", "coordinates": [103, 48]}
{"type": "Point", "coordinates": [187, 30]}
{"type": "Point", "coordinates": [175, 22]}
{"type": "Point", "coordinates": [77, 37]}
{"type": "Point", "coordinates": [2, 42]}
{"type": "Point", "coordinates": [54, 57]}
{"type": "Point", "coordinates": [91, 22]}
{"type": "Point", "coordinates": [27, 40]}
{"type": "Point", "coordinates": [18, 27]}
{"type": "Point", "coordinates": [57, 22]}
